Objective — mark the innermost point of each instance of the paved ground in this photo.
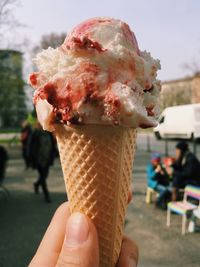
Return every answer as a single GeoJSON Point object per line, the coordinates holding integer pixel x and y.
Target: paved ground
{"type": "Point", "coordinates": [24, 216]}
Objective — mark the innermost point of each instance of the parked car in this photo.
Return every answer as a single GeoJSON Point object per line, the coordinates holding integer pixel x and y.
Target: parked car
{"type": "Point", "coordinates": [179, 122]}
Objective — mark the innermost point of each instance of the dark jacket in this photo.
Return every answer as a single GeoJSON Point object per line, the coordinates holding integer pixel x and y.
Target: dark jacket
{"type": "Point", "coordinates": [3, 160]}
{"type": "Point", "coordinates": [3, 155]}
{"type": "Point", "coordinates": [41, 149]}
{"type": "Point", "coordinates": [25, 134]}
{"type": "Point", "coordinates": [188, 169]}
{"type": "Point", "coordinates": [154, 178]}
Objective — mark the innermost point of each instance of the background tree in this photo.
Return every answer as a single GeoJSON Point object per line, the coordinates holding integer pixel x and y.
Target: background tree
{"type": "Point", "coordinates": [185, 91]}
{"type": "Point", "coordinates": [12, 96]}
{"type": "Point", "coordinates": [7, 19]}
{"type": "Point", "coordinates": [53, 40]}
{"type": "Point", "coordinates": [175, 98]}
{"type": "Point", "coordinates": [176, 95]}
{"type": "Point", "coordinates": [193, 67]}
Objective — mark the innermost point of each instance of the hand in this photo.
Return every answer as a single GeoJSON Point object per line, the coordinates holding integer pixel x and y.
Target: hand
{"type": "Point", "coordinates": [158, 169]}
{"type": "Point", "coordinates": [169, 171]}
{"type": "Point", "coordinates": [71, 240]}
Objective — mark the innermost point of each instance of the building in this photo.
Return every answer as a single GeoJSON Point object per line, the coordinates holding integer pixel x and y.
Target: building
{"type": "Point", "coordinates": [181, 91]}
{"type": "Point", "coordinates": [12, 97]}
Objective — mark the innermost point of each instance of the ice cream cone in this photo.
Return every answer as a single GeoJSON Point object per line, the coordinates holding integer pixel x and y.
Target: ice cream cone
{"type": "Point", "coordinates": [97, 166]}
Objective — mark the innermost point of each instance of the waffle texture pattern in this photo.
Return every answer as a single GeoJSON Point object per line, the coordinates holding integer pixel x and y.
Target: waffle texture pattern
{"type": "Point", "coordinates": [97, 166]}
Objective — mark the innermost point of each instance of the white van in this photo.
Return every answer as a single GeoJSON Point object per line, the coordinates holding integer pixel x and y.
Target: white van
{"type": "Point", "coordinates": [179, 122]}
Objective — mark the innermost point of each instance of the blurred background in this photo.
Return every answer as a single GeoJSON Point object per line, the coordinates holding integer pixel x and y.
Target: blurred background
{"type": "Point", "coordinates": [170, 31]}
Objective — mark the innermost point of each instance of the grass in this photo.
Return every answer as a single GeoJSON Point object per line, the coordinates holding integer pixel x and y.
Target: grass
{"type": "Point", "coordinates": [12, 141]}
{"type": "Point", "coordinates": [10, 130]}
{"type": "Point", "coordinates": [9, 141]}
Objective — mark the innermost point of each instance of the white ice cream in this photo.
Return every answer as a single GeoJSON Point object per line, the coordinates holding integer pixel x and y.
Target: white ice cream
{"type": "Point", "coordinates": [97, 76]}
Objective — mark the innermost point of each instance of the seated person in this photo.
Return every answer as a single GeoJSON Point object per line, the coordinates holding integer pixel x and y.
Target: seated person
{"type": "Point", "coordinates": [186, 169]}
{"type": "Point", "coordinates": [168, 162]}
{"type": "Point", "coordinates": [157, 179]}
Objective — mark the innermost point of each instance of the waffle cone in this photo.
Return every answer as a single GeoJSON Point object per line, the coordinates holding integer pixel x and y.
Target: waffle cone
{"type": "Point", "coordinates": [97, 166]}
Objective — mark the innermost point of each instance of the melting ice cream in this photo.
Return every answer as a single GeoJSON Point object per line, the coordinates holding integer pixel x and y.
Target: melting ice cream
{"type": "Point", "coordinates": [97, 76]}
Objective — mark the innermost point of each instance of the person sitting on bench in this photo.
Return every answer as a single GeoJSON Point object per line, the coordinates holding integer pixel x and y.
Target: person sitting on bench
{"type": "Point", "coordinates": [157, 179]}
{"type": "Point", "coordinates": [185, 169]}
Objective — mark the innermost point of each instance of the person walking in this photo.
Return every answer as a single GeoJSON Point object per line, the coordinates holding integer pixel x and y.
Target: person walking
{"type": "Point", "coordinates": [41, 157]}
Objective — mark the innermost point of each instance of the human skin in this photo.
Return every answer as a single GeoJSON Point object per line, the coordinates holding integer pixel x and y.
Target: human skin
{"type": "Point", "coordinates": [71, 240]}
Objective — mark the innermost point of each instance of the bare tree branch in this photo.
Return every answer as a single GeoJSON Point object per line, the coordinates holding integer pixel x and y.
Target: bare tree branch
{"type": "Point", "coordinates": [193, 66]}
{"type": "Point", "coordinates": [7, 19]}
{"type": "Point", "coordinates": [53, 40]}
{"type": "Point", "coordinates": [6, 10]}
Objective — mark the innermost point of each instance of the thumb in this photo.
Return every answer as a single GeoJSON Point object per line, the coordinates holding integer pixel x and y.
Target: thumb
{"type": "Point", "coordinates": [80, 247]}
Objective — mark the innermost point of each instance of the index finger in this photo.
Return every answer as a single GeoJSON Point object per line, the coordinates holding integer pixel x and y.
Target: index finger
{"type": "Point", "coordinates": [129, 253]}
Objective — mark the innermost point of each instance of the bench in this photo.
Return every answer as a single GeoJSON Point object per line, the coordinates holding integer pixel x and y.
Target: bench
{"type": "Point", "coordinates": [150, 194]}
{"type": "Point", "coordinates": [184, 207]}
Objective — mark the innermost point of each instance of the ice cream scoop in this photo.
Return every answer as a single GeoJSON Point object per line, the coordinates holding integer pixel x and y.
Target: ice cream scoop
{"type": "Point", "coordinates": [94, 91]}
{"type": "Point", "coordinates": [97, 76]}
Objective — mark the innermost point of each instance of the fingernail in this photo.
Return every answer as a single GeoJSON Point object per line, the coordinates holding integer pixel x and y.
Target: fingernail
{"type": "Point", "coordinates": [77, 230]}
{"type": "Point", "coordinates": [132, 262]}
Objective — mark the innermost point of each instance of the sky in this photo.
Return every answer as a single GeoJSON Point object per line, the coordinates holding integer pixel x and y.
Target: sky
{"type": "Point", "coordinates": [169, 29]}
